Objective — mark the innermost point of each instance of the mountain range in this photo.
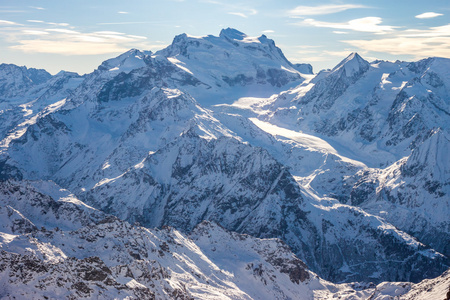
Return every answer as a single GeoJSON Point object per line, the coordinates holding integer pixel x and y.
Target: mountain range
{"type": "Point", "coordinates": [216, 168]}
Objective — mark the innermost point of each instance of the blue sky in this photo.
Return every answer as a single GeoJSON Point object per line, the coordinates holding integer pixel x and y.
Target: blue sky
{"type": "Point", "coordinates": [79, 35]}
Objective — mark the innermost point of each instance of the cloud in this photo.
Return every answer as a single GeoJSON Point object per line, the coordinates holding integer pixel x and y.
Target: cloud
{"type": "Point", "coordinates": [428, 15]}
{"type": "Point", "coordinates": [68, 47]}
{"type": "Point", "coordinates": [48, 23]}
{"type": "Point", "coordinates": [238, 14]}
{"type": "Point", "coordinates": [312, 59]}
{"type": "Point", "coordinates": [340, 32]}
{"type": "Point", "coordinates": [4, 22]}
{"type": "Point", "coordinates": [123, 12]}
{"type": "Point", "coordinates": [37, 7]}
{"type": "Point", "coordinates": [45, 38]}
{"type": "Point", "coordinates": [108, 32]}
{"type": "Point", "coordinates": [248, 12]}
{"type": "Point", "coordinates": [139, 37]}
{"type": "Point", "coordinates": [127, 23]}
{"type": "Point", "coordinates": [440, 31]}
{"type": "Point", "coordinates": [367, 24]}
{"type": "Point", "coordinates": [268, 31]}
{"type": "Point", "coordinates": [11, 11]}
{"type": "Point", "coordinates": [60, 30]}
{"type": "Point", "coordinates": [322, 9]}
{"type": "Point", "coordinates": [241, 10]}
{"type": "Point", "coordinates": [306, 52]}
{"type": "Point", "coordinates": [343, 53]}
{"type": "Point", "coordinates": [35, 32]}
{"type": "Point", "coordinates": [419, 43]}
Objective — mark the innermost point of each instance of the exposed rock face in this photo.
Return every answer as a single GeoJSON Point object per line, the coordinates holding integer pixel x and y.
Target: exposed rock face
{"type": "Point", "coordinates": [16, 81]}
{"type": "Point", "coordinates": [394, 118]}
{"type": "Point", "coordinates": [412, 193]}
{"type": "Point", "coordinates": [304, 68]}
{"type": "Point", "coordinates": [113, 259]}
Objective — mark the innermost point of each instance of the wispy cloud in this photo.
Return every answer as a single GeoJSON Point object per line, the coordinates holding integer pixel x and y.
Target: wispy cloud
{"type": "Point", "coordinates": [127, 23]}
{"type": "Point", "coordinates": [343, 53]}
{"type": "Point", "coordinates": [243, 11]}
{"type": "Point", "coordinates": [35, 32]}
{"type": "Point", "coordinates": [139, 37]}
{"type": "Point", "coordinates": [340, 32]}
{"type": "Point", "coordinates": [268, 31]}
{"type": "Point", "coordinates": [420, 43]}
{"type": "Point", "coordinates": [367, 24]}
{"type": "Point", "coordinates": [322, 9]}
{"type": "Point", "coordinates": [238, 14]}
{"type": "Point", "coordinates": [48, 23]}
{"type": "Point", "coordinates": [246, 14]}
{"type": "Point", "coordinates": [439, 31]}
{"type": "Point", "coordinates": [428, 15]}
{"type": "Point", "coordinates": [123, 12]}
{"type": "Point", "coordinates": [43, 37]}
{"type": "Point", "coordinates": [37, 7]}
{"type": "Point", "coordinates": [108, 32]}
{"type": "Point", "coordinates": [35, 21]}
{"type": "Point", "coordinates": [66, 47]}
{"type": "Point", "coordinates": [306, 51]}
{"type": "Point", "coordinates": [58, 24]}
{"type": "Point", "coordinates": [5, 22]}
{"type": "Point", "coordinates": [11, 11]}
{"type": "Point", "coordinates": [60, 30]}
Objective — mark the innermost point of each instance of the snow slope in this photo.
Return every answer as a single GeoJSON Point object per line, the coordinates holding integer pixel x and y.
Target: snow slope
{"type": "Point", "coordinates": [109, 258]}
{"type": "Point", "coordinates": [218, 63]}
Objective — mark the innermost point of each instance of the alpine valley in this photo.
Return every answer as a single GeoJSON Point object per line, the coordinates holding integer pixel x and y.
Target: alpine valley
{"type": "Point", "coordinates": [217, 169]}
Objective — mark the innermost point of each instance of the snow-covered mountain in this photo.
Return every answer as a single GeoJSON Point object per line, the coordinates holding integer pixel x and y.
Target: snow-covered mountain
{"type": "Point", "coordinates": [412, 193]}
{"type": "Point", "coordinates": [377, 112]}
{"type": "Point", "coordinates": [104, 257]}
{"type": "Point", "coordinates": [383, 114]}
{"type": "Point", "coordinates": [348, 168]}
{"type": "Point", "coordinates": [234, 65]}
{"type": "Point", "coordinates": [27, 94]}
{"type": "Point", "coordinates": [16, 81]}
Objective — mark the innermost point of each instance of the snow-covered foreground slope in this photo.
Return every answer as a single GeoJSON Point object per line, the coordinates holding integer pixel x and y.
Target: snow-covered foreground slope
{"type": "Point", "coordinates": [108, 258]}
{"type": "Point", "coordinates": [348, 168]}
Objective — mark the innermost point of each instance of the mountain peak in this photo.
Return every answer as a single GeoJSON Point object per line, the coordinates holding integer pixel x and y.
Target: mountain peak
{"type": "Point", "coordinates": [352, 64]}
{"type": "Point", "coordinates": [125, 62]}
{"type": "Point", "coordinates": [233, 34]}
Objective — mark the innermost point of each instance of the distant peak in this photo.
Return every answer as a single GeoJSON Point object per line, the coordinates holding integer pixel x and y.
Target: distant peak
{"type": "Point", "coordinates": [125, 62]}
{"type": "Point", "coordinates": [132, 52]}
{"type": "Point", "coordinates": [354, 56]}
{"type": "Point", "coordinates": [352, 64]}
{"type": "Point", "coordinates": [233, 34]}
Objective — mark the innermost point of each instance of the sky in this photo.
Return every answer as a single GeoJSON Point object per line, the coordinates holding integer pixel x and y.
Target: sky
{"type": "Point", "coordinates": [77, 35]}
